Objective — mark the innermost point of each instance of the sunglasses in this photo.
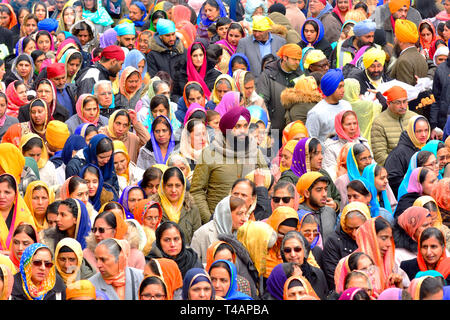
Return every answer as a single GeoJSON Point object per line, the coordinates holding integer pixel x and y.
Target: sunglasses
{"type": "Point", "coordinates": [101, 230]}
{"type": "Point", "coordinates": [296, 249]}
{"type": "Point", "coordinates": [38, 263]}
{"type": "Point", "coordinates": [278, 199]}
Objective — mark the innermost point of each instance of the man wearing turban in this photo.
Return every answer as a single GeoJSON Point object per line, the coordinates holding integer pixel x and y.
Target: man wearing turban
{"type": "Point", "coordinates": [232, 155]}
{"type": "Point", "coordinates": [320, 119]}
{"type": "Point", "coordinates": [386, 15]}
{"type": "Point", "coordinates": [345, 52]}
{"type": "Point", "coordinates": [259, 44]}
{"type": "Point", "coordinates": [410, 63]}
{"type": "Point", "coordinates": [65, 92]}
{"type": "Point", "coordinates": [277, 76]}
{"type": "Point", "coordinates": [126, 35]}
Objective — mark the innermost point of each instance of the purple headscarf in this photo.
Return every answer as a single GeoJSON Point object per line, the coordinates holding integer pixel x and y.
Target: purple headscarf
{"type": "Point", "coordinates": [124, 200]}
{"type": "Point", "coordinates": [414, 183]}
{"type": "Point", "coordinates": [156, 149]}
{"type": "Point", "coordinates": [391, 294]}
{"type": "Point", "coordinates": [192, 108]}
{"type": "Point", "coordinates": [349, 294]}
{"type": "Point", "coordinates": [276, 281]}
{"type": "Point", "coordinates": [300, 158]}
{"type": "Point", "coordinates": [229, 101]}
{"type": "Point", "coordinates": [108, 38]}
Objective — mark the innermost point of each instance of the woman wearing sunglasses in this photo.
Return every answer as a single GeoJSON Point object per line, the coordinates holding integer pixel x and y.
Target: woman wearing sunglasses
{"type": "Point", "coordinates": [295, 248]}
{"type": "Point", "coordinates": [37, 279]}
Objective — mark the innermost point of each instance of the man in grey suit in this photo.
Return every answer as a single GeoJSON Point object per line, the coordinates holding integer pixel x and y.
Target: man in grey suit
{"type": "Point", "coordinates": [261, 43]}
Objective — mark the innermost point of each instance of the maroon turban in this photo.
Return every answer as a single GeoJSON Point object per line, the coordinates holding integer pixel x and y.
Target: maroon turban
{"type": "Point", "coordinates": [113, 52]}
{"type": "Point", "coordinates": [55, 70]}
{"type": "Point", "coordinates": [231, 117]}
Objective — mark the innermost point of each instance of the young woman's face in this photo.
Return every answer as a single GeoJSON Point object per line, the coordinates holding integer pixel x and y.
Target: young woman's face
{"type": "Point", "coordinates": [195, 96]}
{"type": "Point", "coordinates": [22, 92]}
{"type": "Point", "coordinates": [384, 238]}
{"type": "Point", "coordinates": [40, 12]}
{"type": "Point", "coordinates": [30, 47]}
{"type": "Point", "coordinates": [40, 202]}
{"type": "Point", "coordinates": [101, 225]}
{"type": "Point", "coordinates": [38, 115]}
{"type": "Point", "coordinates": [34, 153]}
{"type": "Point", "coordinates": [171, 242]}
{"type": "Point", "coordinates": [432, 164]}
{"type": "Point", "coordinates": [162, 133]}
{"type": "Point", "coordinates": [151, 218]}
{"type": "Point", "coordinates": [429, 183]}
{"type": "Point", "coordinates": [5, 19]}
{"type": "Point", "coordinates": [310, 33]}
{"type": "Point", "coordinates": [41, 272]}
{"type": "Point", "coordinates": [212, 13]}
{"type": "Point", "coordinates": [144, 41]}
{"type": "Point", "coordinates": [30, 26]}
{"type": "Point", "coordinates": [354, 195]}
{"type": "Point", "coordinates": [44, 43]}
{"type": "Point", "coordinates": [92, 183]}
{"type": "Point", "coordinates": [422, 131]}
{"type": "Point", "coordinates": [81, 193]}
{"type": "Point", "coordinates": [65, 220]}
{"type": "Point", "coordinates": [3, 107]}
{"type": "Point", "coordinates": [316, 158]}
{"type": "Point", "coordinates": [22, 15]}
{"type": "Point", "coordinates": [153, 292]}
{"type": "Point", "coordinates": [197, 58]}
{"type": "Point", "coordinates": [199, 137]}
{"type": "Point", "coordinates": [431, 251]}
{"type": "Point", "coordinates": [220, 279]}
{"type": "Point", "coordinates": [381, 180]}
{"type": "Point", "coordinates": [234, 36]}
{"type": "Point", "coordinates": [222, 31]}
{"type": "Point", "coordinates": [84, 36]}
{"type": "Point", "coordinates": [20, 242]}
{"type": "Point", "coordinates": [426, 35]}
{"type": "Point", "coordinates": [343, 5]}
{"type": "Point", "coordinates": [159, 110]}
{"type": "Point", "coordinates": [132, 82]}
{"type": "Point", "coordinates": [120, 163]}
{"type": "Point", "coordinates": [69, 17]}
{"type": "Point", "coordinates": [134, 196]}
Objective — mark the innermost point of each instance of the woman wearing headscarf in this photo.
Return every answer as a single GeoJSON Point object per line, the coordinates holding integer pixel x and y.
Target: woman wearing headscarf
{"type": "Point", "coordinates": [168, 270]}
{"type": "Point", "coordinates": [427, 39]}
{"type": "Point", "coordinates": [130, 196]}
{"type": "Point", "coordinates": [127, 171]}
{"type": "Point", "coordinates": [304, 291]}
{"type": "Point", "coordinates": [88, 111]}
{"type": "Point", "coordinates": [198, 278]}
{"type": "Point", "coordinates": [226, 83]}
{"type": "Point", "coordinates": [68, 269]}
{"type": "Point", "coordinates": [419, 159]}
{"type": "Point", "coordinates": [67, 18]}
{"type": "Point", "coordinates": [246, 84]}
{"type": "Point", "coordinates": [347, 131]}
{"type": "Point", "coordinates": [156, 103]}
{"type": "Point", "coordinates": [229, 292]}
{"type": "Point", "coordinates": [96, 13]}
{"type": "Point", "coordinates": [117, 280]}
{"type": "Point", "coordinates": [37, 279]}
{"type": "Point", "coordinates": [37, 197]}
{"type": "Point", "coordinates": [136, 59]}
{"type": "Point", "coordinates": [313, 35]}
{"type": "Point", "coordinates": [210, 11]}
{"type": "Point", "coordinates": [419, 291]}
{"type": "Point", "coordinates": [161, 144]}
{"type": "Point", "coordinates": [73, 60]}
{"type": "Point", "coordinates": [130, 88]}
{"type": "Point", "coordinates": [7, 279]}
{"type": "Point", "coordinates": [137, 14]}
{"type": "Point", "coordinates": [439, 149]}
{"type": "Point", "coordinates": [230, 100]}
{"type": "Point", "coordinates": [72, 145]}
{"type": "Point", "coordinates": [22, 69]}
{"type": "Point", "coordinates": [340, 10]}
{"type": "Point", "coordinates": [411, 140]}
{"type": "Point", "coordinates": [192, 93]}
{"type": "Point", "coordinates": [16, 94]}
{"type": "Point", "coordinates": [194, 138]}
{"type": "Point", "coordinates": [343, 241]}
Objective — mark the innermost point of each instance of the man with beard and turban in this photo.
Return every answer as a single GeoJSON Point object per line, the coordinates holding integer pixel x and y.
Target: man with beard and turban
{"type": "Point", "coordinates": [231, 156]}
{"type": "Point", "coordinates": [320, 119]}
{"type": "Point", "coordinates": [374, 74]}
{"type": "Point", "coordinates": [65, 92]}
{"type": "Point", "coordinates": [111, 60]}
{"type": "Point", "coordinates": [126, 36]}
{"type": "Point", "coordinates": [387, 14]}
{"type": "Point", "coordinates": [346, 51]}
{"type": "Point", "coordinates": [410, 64]}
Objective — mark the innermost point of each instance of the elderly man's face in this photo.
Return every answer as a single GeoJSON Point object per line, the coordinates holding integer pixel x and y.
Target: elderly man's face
{"type": "Point", "coordinates": [375, 71]}
{"type": "Point", "coordinates": [104, 95]}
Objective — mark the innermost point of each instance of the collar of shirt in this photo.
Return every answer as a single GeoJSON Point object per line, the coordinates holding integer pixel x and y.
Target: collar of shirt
{"type": "Point", "coordinates": [265, 43]}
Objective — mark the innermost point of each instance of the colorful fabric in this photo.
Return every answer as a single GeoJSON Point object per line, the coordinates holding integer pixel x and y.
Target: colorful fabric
{"type": "Point", "coordinates": [75, 246]}
{"type": "Point", "coordinates": [173, 212]}
{"type": "Point", "coordinates": [28, 197]}
{"type": "Point", "coordinates": [44, 155]}
{"type": "Point", "coordinates": [372, 55]}
{"type": "Point", "coordinates": [351, 207]}
{"type": "Point", "coordinates": [14, 102]}
{"type": "Point", "coordinates": [231, 117]}
{"type": "Point", "coordinates": [204, 20]}
{"type": "Point", "coordinates": [293, 129]}
{"type": "Point", "coordinates": [214, 95]}
{"type": "Point", "coordinates": [90, 154]}
{"type": "Point", "coordinates": [80, 289]}
{"type": "Point", "coordinates": [211, 252]}
{"type": "Point", "coordinates": [142, 208]}
{"type": "Point", "coordinates": [330, 81]}
{"type": "Point", "coordinates": [340, 130]}
{"type": "Point", "coordinates": [262, 23]}
{"type": "Point", "coordinates": [95, 200]}
{"type": "Point", "coordinates": [305, 284]}
{"type": "Point", "coordinates": [364, 27]}
{"type": "Point", "coordinates": [79, 109]}
{"type": "Point", "coordinates": [230, 100]}
{"type": "Point", "coordinates": [369, 175]}
{"type": "Point", "coordinates": [193, 74]}
{"type": "Point", "coordinates": [305, 181]}
{"type": "Point", "coordinates": [123, 200]}
{"type": "Point", "coordinates": [165, 26]}
{"type": "Point", "coordinates": [171, 275]}
{"type": "Point", "coordinates": [301, 157]}
{"type": "Point", "coordinates": [57, 134]}
{"type": "Point", "coordinates": [406, 31]}
{"type": "Point", "coordinates": [395, 93]}
{"type": "Point", "coordinates": [412, 219]}
{"type": "Point", "coordinates": [192, 277]}
{"type": "Point", "coordinates": [232, 293]}
{"type": "Point", "coordinates": [290, 50]}
{"type": "Point", "coordinates": [395, 5]}
{"type": "Point", "coordinates": [8, 281]}
{"type": "Point", "coordinates": [414, 183]}
{"type": "Point", "coordinates": [421, 201]}
{"type": "Point", "coordinates": [156, 149]}
{"type": "Point", "coordinates": [411, 127]}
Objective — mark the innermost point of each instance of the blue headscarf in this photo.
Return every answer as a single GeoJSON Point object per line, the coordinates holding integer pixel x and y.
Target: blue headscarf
{"type": "Point", "coordinates": [90, 154]}
{"type": "Point", "coordinates": [243, 56]}
{"type": "Point", "coordinates": [352, 165]}
{"type": "Point", "coordinates": [123, 200]}
{"type": "Point", "coordinates": [330, 81]}
{"type": "Point", "coordinates": [446, 293]}
{"type": "Point", "coordinates": [304, 51]}
{"type": "Point", "coordinates": [369, 175]}
{"type": "Point", "coordinates": [141, 7]}
{"type": "Point", "coordinates": [232, 293]}
{"type": "Point", "coordinates": [321, 31]}
{"type": "Point", "coordinates": [81, 129]}
{"type": "Point", "coordinates": [258, 114]}
{"type": "Point", "coordinates": [73, 143]}
{"type": "Point", "coordinates": [203, 19]}
{"type": "Point", "coordinates": [48, 24]}
{"type": "Point", "coordinates": [99, 16]}
{"type": "Point", "coordinates": [125, 29]}
{"type": "Point", "coordinates": [405, 182]}
{"type": "Point", "coordinates": [83, 224]}
{"type": "Point", "coordinates": [432, 146]}
{"type": "Point", "coordinates": [132, 59]}
{"type": "Point", "coordinates": [156, 149]}
{"type": "Point", "coordinates": [192, 277]}
{"type": "Point", "coordinates": [95, 200]}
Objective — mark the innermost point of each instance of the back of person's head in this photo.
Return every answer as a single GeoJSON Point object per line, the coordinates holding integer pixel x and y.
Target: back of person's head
{"type": "Point", "coordinates": [430, 286]}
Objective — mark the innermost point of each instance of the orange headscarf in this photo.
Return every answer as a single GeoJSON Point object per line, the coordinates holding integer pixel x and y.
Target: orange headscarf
{"type": "Point", "coordinates": [141, 209]}
{"type": "Point", "coordinates": [366, 239]}
{"type": "Point", "coordinates": [305, 181]}
{"type": "Point", "coordinates": [122, 226]}
{"type": "Point", "coordinates": [211, 252]}
{"type": "Point", "coordinates": [309, 289]}
{"type": "Point", "coordinates": [395, 93]}
{"type": "Point", "coordinates": [442, 266]}
{"type": "Point", "coordinates": [171, 275]}
{"type": "Point", "coordinates": [441, 193]}
{"type": "Point", "coordinates": [412, 218]}
{"type": "Point", "coordinates": [12, 256]}
{"type": "Point", "coordinates": [13, 135]}
{"type": "Point", "coordinates": [118, 280]}
{"type": "Point", "coordinates": [342, 160]}
{"type": "Point", "coordinates": [13, 17]}
{"type": "Point", "coordinates": [293, 129]}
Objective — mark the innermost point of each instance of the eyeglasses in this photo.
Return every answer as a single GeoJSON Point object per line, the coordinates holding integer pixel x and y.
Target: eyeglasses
{"type": "Point", "coordinates": [368, 158]}
{"type": "Point", "coordinates": [157, 296]}
{"type": "Point", "coordinates": [38, 263]}
{"type": "Point", "coordinates": [101, 230]}
{"type": "Point", "coordinates": [370, 270]}
{"type": "Point", "coordinates": [434, 164]}
{"type": "Point", "coordinates": [308, 233]}
{"type": "Point", "coordinates": [295, 249]}
{"type": "Point", "coordinates": [278, 199]}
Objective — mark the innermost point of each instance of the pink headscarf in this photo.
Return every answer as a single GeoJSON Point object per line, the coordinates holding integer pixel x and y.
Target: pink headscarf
{"type": "Point", "coordinates": [414, 183]}
{"type": "Point", "coordinates": [412, 218]}
{"type": "Point", "coordinates": [340, 130]}
{"type": "Point", "coordinates": [193, 74]}
{"type": "Point", "coordinates": [229, 101]}
{"type": "Point", "coordinates": [192, 108]}
{"type": "Point", "coordinates": [79, 109]}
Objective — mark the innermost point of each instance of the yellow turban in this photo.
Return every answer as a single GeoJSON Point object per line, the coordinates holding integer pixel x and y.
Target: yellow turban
{"type": "Point", "coordinates": [81, 289]}
{"type": "Point", "coordinates": [395, 5]}
{"type": "Point", "coordinates": [290, 50]}
{"type": "Point", "coordinates": [267, 177]}
{"type": "Point", "coordinates": [313, 56]}
{"type": "Point", "coordinates": [406, 31]}
{"type": "Point", "coordinates": [261, 23]}
{"type": "Point", "coordinates": [57, 134]}
{"type": "Point", "coordinates": [372, 55]}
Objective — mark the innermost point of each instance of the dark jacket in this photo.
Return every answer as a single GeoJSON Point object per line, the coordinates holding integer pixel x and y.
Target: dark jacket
{"type": "Point", "coordinates": [406, 201]}
{"type": "Point", "coordinates": [402, 240]}
{"type": "Point", "coordinates": [365, 84]}
{"type": "Point", "coordinates": [441, 92]}
{"type": "Point", "coordinates": [161, 58]}
{"type": "Point", "coordinates": [316, 278]}
{"type": "Point", "coordinates": [411, 267]}
{"type": "Point", "coordinates": [87, 77]}
{"type": "Point", "coordinates": [18, 292]}
{"type": "Point", "coordinates": [323, 45]}
{"type": "Point", "coordinates": [338, 245]}
{"type": "Point", "coordinates": [398, 160]}
{"type": "Point", "coordinates": [271, 82]}
{"type": "Point", "coordinates": [181, 78]}
{"type": "Point", "coordinates": [60, 113]}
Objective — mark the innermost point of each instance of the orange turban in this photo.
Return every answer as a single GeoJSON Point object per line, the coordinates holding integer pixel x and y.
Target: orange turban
{"type": "Point", "coordinates": [305, 181]}
{"type": "Point", "coordinates": [395, 5]}
{"type": "Point", "coordinates": [81, 289]}
{"type": "Point", "coordinates": [406, 31]}
{"type": "Point", "coordinates": [290, 50]}
{"type": "Point", "coordinates": [395, 93]}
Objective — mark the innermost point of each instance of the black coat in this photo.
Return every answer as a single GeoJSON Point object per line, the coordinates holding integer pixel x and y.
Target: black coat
{"type": "Point", "coordinates": [441, 91]}
{"type": "Point", "coordinates": [87, 77]}
{"type": "Point", "coordinates": [19, 294]}
{"type": "Point", "coordinates": [411, 268]}
{"type": "Point", "coordinates": [323, 45]}
{"type": "Point", "coordinates": [406, 201]}
{"type": "Point", "coordinates": [60, 113]}
{"type": "Point", "coordinates": [338, 245]}
{"type": "Point", "coordinates": [398, 159]}
{"type": "Point", "coordinates": [365, 84]}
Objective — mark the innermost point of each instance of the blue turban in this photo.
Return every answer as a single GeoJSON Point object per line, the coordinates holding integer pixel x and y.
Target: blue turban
{"type": "Point", "coordinates": [330, 81]}
{"type": "Point", "coordinates": [48, 24]}
{"type": "Point", "coordinates": [125, 28]}
{"type": "Point", "coordinates": [165, 26]}
{"type": "Point", "coordinates": [364, 27]}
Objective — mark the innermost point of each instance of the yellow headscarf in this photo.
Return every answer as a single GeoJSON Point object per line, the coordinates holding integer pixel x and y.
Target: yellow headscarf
{"type": "Point", "coordinates": [28, 197]}
{"type": "Point", "coordinates": [57, 133]}
{"type": "Point", "coordinates": [8, 281]}
{"type": "Point", "coordinates": [313, 56]}
{"type": "Point", "coordinates": [111, 120]}
{"type": "Point", "coordinates": [44, 155]}
{"type": "Point", "coordinates": [172, 211]}
{"type": "Point", "coordinates": [421, 201]}
{"type": "Point", "coordinates": [289, 146]}
{"type": "Point", "coordinates": [410, 129]}
{"type": "Point", "coordinates": [354, 206]}
{"type": "Point", "coordinates": [75, 246]}
{"type": "Point", "coordinates": [305, 181]}
{"type": "Point", "coordinates": [214, 95]}
{"type": "Point", "coordinates": [292, 129]}
{"type": "Point", "coordinates": [395, 5]}
{"type": "Point", "coordinates": [372, 55]}
{"type": "Point", "coordinates": [119, 147]}
{"type": "Point", "coordinates": [12, 160]}
{"type": "Point", "coordinates": [267, 177]}
{"type": "Point", "coordinates": [262, 23]}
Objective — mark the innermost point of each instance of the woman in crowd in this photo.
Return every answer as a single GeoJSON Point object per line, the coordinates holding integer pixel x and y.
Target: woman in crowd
{"type": "Point", "coordinates": [24, 235]}
{"type": "Point", "coordinates": [127, 171]}
{"type": "Point", "coordinates": [37, 197]}
{"type": "Point", "coordinates": [88, 111]}
{"type": "Point", "coordinates": [312, 34]}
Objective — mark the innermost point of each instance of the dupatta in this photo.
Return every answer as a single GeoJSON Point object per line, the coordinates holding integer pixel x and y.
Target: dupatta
{"type": "Point", "coordinates": [432, 146]}
{"type": "Point", "coordinates": [143, 207]}
{"type": "Point", "coordinates": [211, 252]}
{"type": "Point", "coordinates": [12, 256]}
{"type": "Point", "coordinates": [369, 175]}
{"type": "Point", "coordinates": [32, 291]}
{"type": "Point", "coordinates": [173, 211]}
{"type": "Point", "coordinates": [80, 108]}
{"type": "Point", "coordinates": [65, 59]}
{"type": "Point", "coordinates": [28, 197]}
{"type": "Point", "coordinates": [230, 100]}
{"type": "Point", "coordinates": [405, 182]}
{"type": "Point", "coordinates": [340, 130]}
{"type": "Point", "coordinates": [123, 200]}
{"type": "Point", "coordinates": [95, 200]}
{"type": "Point", "coordinates": [214, 95]}
{"type": "Point", "coordinates": [44, 155]}
{"type": "Point", "coordinates": [352, 165]}
{"type": "Point", "coordinates": [193, 74]}
{"type": "Point", "coordinates": [156, 149]}
{"type": "Point", "coordinates": [8, 282]}
{"type": "Point", "coordinates": [411, 127]}
{"type": "Point", "coordinates": [232, 292]}
{"type": "Point", "coordinates": [75, 246]}
{"type": "Point", "coordinates": [83, 226]}
{"type": "Point", "coordinates": [123, 79]}
{"type": "Point", "coordinates": [13, 102]}
{"type": "Point", "coordinates": [305, 283]}
{"type": "Point", "coordinates": [301, 157]}
{"type": "Point", "coordinates": [171, 275]}
{"type": "Point", "coordinates": [204, 20]}
{"type": "Point", "coordinates": [421, 201]}
{"type": "Point", "coordinates": [90, 154]}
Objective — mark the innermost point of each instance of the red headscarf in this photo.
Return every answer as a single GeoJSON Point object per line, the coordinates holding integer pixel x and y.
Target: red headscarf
{"type": "Point", "coordinates": [341, 14]}
{"type": "Point", "coordinates": [193, 74]}
{"type": "Point", "coordinates": [340, 130]}
{"type": "Point", "coordinates": [442, 266]}
{"type": "Point", "coordinates": [412, 218]}
{"type": "Point", "coordinates": [14, 101]}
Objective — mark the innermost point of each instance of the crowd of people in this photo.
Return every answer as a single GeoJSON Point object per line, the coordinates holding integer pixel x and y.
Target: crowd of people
{"type": "Point", "coordinates": [224, 150]}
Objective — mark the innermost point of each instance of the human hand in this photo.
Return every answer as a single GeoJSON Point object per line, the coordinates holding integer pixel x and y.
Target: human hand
{"type": "Point", "coordinates": [331, 203]}
{"type": "Point", "coordinates": [259, 178]}
{"type": "Point", "coordinates": [133, 116]}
